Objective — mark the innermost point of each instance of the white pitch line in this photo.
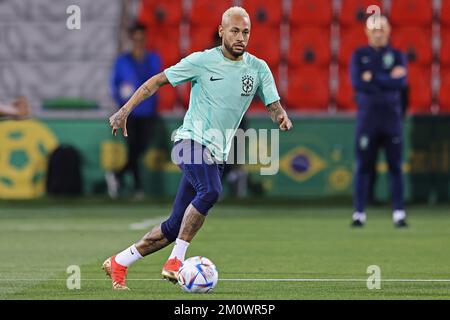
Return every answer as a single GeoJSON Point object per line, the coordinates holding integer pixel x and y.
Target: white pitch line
{"type": "Point", "coordinates": [257, 280]}
{"type": "Point", "coordinates": [335, 280]}
{"type": "Point", "coordinates": [144, 225]}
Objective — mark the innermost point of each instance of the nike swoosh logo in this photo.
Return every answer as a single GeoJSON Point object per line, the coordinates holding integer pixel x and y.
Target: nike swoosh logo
{"type": "Point", "coordinates": [132, 252]}
{"type": "Point", "coordinates": [212, 79]}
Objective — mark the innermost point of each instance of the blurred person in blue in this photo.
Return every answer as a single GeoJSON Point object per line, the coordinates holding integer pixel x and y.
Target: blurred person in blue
{"type": "Point", "coordinates": [131, 70]}
{"type": "Point", "coordinates": [379, 75]}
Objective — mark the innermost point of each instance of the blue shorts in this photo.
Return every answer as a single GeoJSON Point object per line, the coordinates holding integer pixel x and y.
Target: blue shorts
{"type": "Point", "coordinates": [200, 186]}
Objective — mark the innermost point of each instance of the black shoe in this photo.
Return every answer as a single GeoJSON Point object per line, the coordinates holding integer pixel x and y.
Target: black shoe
{"type": "Point", "coordinates": [401, 224]}
{"type": "Point", "coordinates": [357, 224]}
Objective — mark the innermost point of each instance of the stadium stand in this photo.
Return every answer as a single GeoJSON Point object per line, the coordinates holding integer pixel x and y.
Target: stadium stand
{"type": "Point", "coordinates": [45, 61]}
{"type": "Point", "coordinates": [264, 12]}
{"type": "Point", "coordinates": [290, 35]}
{"type": "Point", "coordinates": [308, 89]}
{"type": "Point", "coordinates": [411, 13]}
{"type": "Point", "coordinates": [169, 51]}
{"type": "Point", "coordinates": [353, 12]}
{"type": "Point", "coordinates": [163, 19]}
{"type": "Point", "coordinates": [167, 98]}
{"type": "Point", "coordinates": [415, 42]}
{"type": "Point", "coordinates": [310, 13]}
{"type": "Point", "coordinates": [445, 13]}
{"type": "Point", "coordinates": [202, 37]}
{"type": "Point", "coordinates": [310, 46]}
{"type": "Point", "coordinates": [207, 12]}
{"type": "Point", "coordinates": [344, 96]}
{"type": "Point", "coordinates": [445, 47]}
{"type": "Point", "coordinates": [444, 92]}
{"type": "Point", "coordinates": [420, 97]}
{"type": "Point", "coordinates": [257, 107]}
{"type": "Point", "coordinates": [265, 43]}
{"type": "Point", "coordinates": [154, 13]}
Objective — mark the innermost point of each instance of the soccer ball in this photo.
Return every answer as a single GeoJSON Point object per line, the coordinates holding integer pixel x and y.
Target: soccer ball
{"type": "Point", "coordinates": [198, 275]}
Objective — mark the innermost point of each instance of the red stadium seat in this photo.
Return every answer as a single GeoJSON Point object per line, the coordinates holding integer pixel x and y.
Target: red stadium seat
{"type": "Point", "coordinates": [308, 89]}
{"type": "Point", "coordinates": [354, 11]}
{"type": "Point", "coordinates": [311, 12]}
{"type": "Point", "coordinates": [345, 94]}
{"type": "Point", "coordinates": [445, 13]}
{"type": "Point", "coordinates": [167, 97]}
{"type": "Point", "coordinates": [309, 45]}
{"type": "Point", "coordinates": [202, 38]}
{"type": "Point", "coordinates": [267, 12]}
{"type": "Point", "coordinates": [444, 92]}
{"type": "Point", "coordinates": [154, 12]}
{"type": "Point", "coordinates": [257, 106]}
{"type": "Point", "coordinates": [265, 44]}
{"type": "Point", "coordinates": [411, 13]}
{"type": "Point", "coordinates": [419, 80]}
{"type": "Point", "coordinates": [350, 40]}
{"type": "Point", "coordinates": [415, 42]}
{"type": "Point", "coordinates": [184, 92]}
{"type": "Point", "coordinates": [166, 42]}
{"type": "Point", "coordinates": [207, 12]}
{"type": "Point", "coordinates": [445, 47]}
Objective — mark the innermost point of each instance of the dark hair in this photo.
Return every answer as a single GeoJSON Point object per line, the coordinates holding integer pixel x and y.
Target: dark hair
{"type": "Point", "coordinates": [135, 27]}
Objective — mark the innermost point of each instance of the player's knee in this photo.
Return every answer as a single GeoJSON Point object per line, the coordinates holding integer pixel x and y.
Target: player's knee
{"type": "Point", "coordinates": [206, 200]}
{"type": "Point", "coordinates": [211, 195]}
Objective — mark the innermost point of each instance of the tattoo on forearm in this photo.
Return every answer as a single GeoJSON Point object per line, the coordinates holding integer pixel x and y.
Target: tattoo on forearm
{"type": "Point", "coordinates": [146, 91]}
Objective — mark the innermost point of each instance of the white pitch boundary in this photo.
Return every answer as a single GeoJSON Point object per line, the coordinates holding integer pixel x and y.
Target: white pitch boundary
{"type": "Point", "coordinates": [146, 224]}
{"type": "Point", "coordinates": [256, 280]}
{"type": "Point", "coordinates": [142, 225]}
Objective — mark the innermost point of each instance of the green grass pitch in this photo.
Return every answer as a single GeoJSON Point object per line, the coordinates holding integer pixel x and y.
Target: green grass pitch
{"type": "Point", "coordinates": [262, 251]}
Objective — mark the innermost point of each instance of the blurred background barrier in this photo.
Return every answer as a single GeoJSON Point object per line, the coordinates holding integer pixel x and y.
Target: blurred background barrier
{"type": "Point", "coordinates": [316, 161]}
{"type": "Point", "coordinates": [65, 74]}
{"type": "Point", "coordinates": [311, 43]}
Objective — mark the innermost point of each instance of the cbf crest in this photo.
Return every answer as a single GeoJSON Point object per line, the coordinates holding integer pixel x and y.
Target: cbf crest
{"type": "Point", "coordinates": [247, 85]}
{"type": "Point", "coordinates": [388, 60]}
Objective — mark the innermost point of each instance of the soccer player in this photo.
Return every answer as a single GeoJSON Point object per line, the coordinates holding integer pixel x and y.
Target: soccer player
{"type": "Point", "coordinates": [17, 110]}
{"type": "Point", "coordinates": [224, 80]}
{"type": "Point", "coordinates": [378, 74]}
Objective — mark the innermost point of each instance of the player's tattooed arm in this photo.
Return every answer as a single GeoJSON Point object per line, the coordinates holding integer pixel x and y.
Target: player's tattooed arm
{"type": "Point", "coordinates": [119, 119]}
{"type": "Point", "coordinates": [279, 115]}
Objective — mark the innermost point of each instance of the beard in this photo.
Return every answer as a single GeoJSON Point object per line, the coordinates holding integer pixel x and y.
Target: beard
{"type": "Point", "coordinates": [232, 51]}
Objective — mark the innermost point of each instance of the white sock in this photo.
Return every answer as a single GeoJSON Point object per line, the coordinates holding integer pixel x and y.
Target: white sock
{"type": "Point", "coordinates": [360, 216]}
{"type": "Point", "coordinates": [179, 250]}
{"type": "Point", "coordinates": [128, 256]}
{"type": "Point", "coordinates": [398, 215]}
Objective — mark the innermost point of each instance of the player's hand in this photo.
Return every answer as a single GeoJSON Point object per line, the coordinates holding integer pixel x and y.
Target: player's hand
{"type": "Point", "coordinates": [119, 121]}
{"type": "Point", "coordinates": [366, 76]}
{"type": "Point", "coordinates": [284, 122]}
{"type": "Point", "coordinates": [22, 107]}
{"type": "Point", "coordinates": [398, 72]}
